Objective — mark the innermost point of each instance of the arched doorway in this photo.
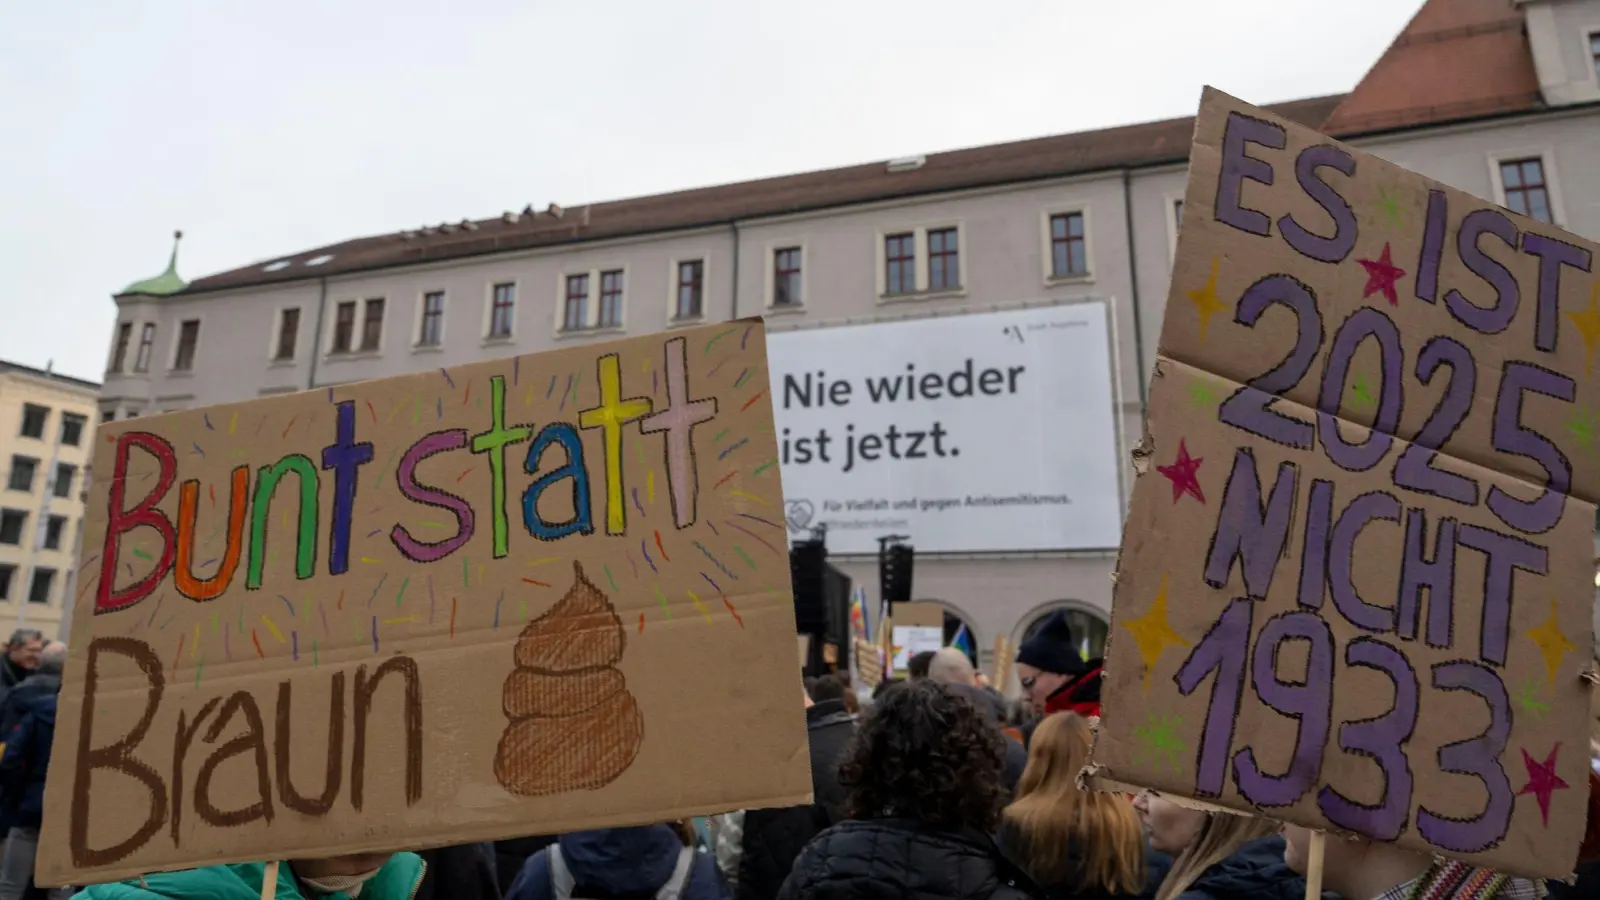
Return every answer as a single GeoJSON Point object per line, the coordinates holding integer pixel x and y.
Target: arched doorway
{"type": "Point", "coordinates": [954, 621]}
{"type": "Point", "coordinates": [1090, 628]}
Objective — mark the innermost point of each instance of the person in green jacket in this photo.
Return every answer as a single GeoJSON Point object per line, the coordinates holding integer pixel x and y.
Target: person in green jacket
{"type": "Point", "coordinates": [359, 876]}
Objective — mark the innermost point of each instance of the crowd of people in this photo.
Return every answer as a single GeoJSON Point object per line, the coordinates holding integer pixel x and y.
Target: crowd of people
{"type": "Point", "coordinates": [935, 788]}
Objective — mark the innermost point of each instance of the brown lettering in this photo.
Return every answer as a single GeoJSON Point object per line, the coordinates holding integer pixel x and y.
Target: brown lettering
{"type": "Point", "coordinates": [180, 746]}
{"type": "Point", "coordinates": [407, 667]}
{"type": "Point", "coordinates": [253, 739]}
{"type": "Point", "coordinates": [117, 756]}
{"type": "Point", "coordinates": [287, 795]}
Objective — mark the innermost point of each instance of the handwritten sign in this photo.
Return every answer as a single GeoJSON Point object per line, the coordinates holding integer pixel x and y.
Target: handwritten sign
{"type": "Point", "coordinates": [444, 607]}
{"type": "Point", "coordinates": [1356, 576]}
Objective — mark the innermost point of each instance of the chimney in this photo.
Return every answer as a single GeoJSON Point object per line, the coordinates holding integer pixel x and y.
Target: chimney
{"type": "Point", "coordinates": [555, 211]}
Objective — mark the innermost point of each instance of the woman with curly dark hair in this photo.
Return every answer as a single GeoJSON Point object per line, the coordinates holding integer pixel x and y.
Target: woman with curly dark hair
{"type": "Point", "coordinates": [922, 779]}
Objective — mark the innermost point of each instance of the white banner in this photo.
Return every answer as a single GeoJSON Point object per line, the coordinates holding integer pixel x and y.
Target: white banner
{"type": "Point", "coordinates": [982, 432]}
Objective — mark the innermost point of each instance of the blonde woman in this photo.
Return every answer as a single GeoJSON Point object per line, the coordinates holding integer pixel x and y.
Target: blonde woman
{"type": "Point", "coordinates": [1219, 856]}
{"type": "Point", "coordinates": [1078, 845]}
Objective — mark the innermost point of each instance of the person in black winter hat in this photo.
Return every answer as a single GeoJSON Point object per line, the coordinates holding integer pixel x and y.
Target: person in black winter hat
{"type": "Point", "coordinates": [1053, 673]}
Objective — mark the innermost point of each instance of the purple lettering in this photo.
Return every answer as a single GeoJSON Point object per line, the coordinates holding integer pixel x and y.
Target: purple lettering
{"type": "Point", "coordinates": [1383, 739]}
{"type": "Point", "coordinates": [1335, 248]}
{"type": "Point", "coordinates": [1438, 222]}
{"type": "Point", "coordinates": [1362, 324]}
{"type": "Point", "coordinates": [1436, 575]}
{"type": "Point", "coordinates": [1509, 435]}
{"type": "Point", "coordinates": [406, 475]}
{"type": "Point", "coordinates": [1478, 757]}
{"type": "Point", "coordinates": [1249, 531]}
{"type": "Point", "coordinates": [345, 457]}
{"type": "Point", "coordinates": [1309, 701]}
{"type": "Point", "coordinates": [1341, 560]}
{"type": "Point", "coordinates": [1496, 318]}
{"type": "Point", "coordinates": [1505, 554]}
{"type": "Point", "coordinates": [1238, 165]}
{"type": "Point", "coordinates": [1223, 649]}
{"type": "Point", "coordinates": [1552, 254]}
{"type": "Point", "coordinates": [1314, 559]}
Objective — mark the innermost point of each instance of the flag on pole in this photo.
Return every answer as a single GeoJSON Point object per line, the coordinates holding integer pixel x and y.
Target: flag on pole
{"type": "Point", "coordinates": [962, 640]}
{"type": "Point", "coordinates": [859, 625]}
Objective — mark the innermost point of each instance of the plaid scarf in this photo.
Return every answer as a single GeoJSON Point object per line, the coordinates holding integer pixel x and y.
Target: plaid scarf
{"type": "Point", "coordinates": [1454, 880]}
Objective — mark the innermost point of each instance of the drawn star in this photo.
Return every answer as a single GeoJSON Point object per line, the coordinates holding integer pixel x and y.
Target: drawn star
{"type": "Point", "coordinates": [1389, 205]}
{"type": "Point", "coordinates": [1159, 738]}
{"type": "Point", "coordinates": [1381, 276]}
{"type": "Point", "coordinates": [1153, 633]}
{"type": "Point", "coordinates": [1530, 704]}
{"type": "Point", "coordinates": [1183, 474]}
{"type": "Point", "coordinates": [1553, 645]}
{"type": "Point", "coordinates": [1363, 392]}
{"type": "Point", "coordinates": [1581, 427]}
{"type": "Point", "coordinates": [1203, 394]}
{"type": "Point", "coordinates": [1206, 302]}
{"type": "Point", "coordinates": [1543, 780]}
{"type": "Point", "coordinates": [1588, 323]}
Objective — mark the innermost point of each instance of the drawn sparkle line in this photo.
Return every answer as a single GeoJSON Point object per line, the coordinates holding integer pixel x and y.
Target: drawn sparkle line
{"type": "Point", "coordinates": [612, 581]}
{"type": "Point", "coordinates": [660, 547]}
{"type": "Point", "coordinates": [661, 599]}
{"type": "Point", "coordinates": [724, 454]}
{"type": "Point", "coordinates": [766, 465]}
{"type": "Point", "coordinates": [497, 603]}
{"type": "Point", "coordinates": [375, 634]}
{"type": "Point", "coordinates": [636, 504]}
{"type": "Point", "coordinates": [742, 376]}
{"type": "Point", "coordinates": [376, 588]}
{"type": "Point", "coordinates": [744, 556]}
{"type": "Point", "coordinates": [540, 583]}
{"type": "Point", "coordinates": [256, 639]}
{"type": "Point", "coordinates": [286, 602]}
{"type": "Point", "coordinates": [733, 612]}
{"type": "Point", "coordinates": [400, 620]}
{"type": "Point", "coordinates": [646, 551]}
{"type": "Point", "coordinates": [714, 561]}
{"type": "Point", "coordinates": [720, 435]}
{"type": "Point", "coordinates": [294, 645]}
{"type": "Point", "coordinates": [400, 598]}
{"type": "Point", "coordinates": [324, 611]}
{"type": "Point", "coordinates": [746, 336]}
{"type": "Point", "coordinates": [758, 537]}
{"type": "Point", "coordinates": [749, 497]}
{"type": "Point", "coordinates": [446, 373]}
{"type": "Point", "coordinates": [452, 618]}
{"type": "Point", "coordinates": [752, 401]}
{"type": "Point", "coordinates": [698, 605]}
{"type": "Point", "coordinates": [768, 522]}
{"type": "Point", "coordinates": [634, 565]}
{"type": "Point", "coordinates": [272, 627]}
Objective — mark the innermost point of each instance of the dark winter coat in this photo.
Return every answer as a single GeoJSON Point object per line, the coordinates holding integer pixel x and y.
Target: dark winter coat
{"type": "Point", "coordinates": [512, 854]}
{"type": "Point", "coordinates": [27, 750]}
{"type": "Point", "coordinates": [1016, 755]}
{"type": "Point", "coordinates": [1255, 871]}
{"type": "Point", "coordinates": [11, 675]}
{"type": "Point", "coordinates": [774, 837]}
{"type": "Point", "coordinates": [901, 859]}
{"type": "Point", "coordinates": [1156, 867]}
{"type": "Point", "coordinates": [620, 864]}
{"type": "Point", "coordinates": [463, 872]}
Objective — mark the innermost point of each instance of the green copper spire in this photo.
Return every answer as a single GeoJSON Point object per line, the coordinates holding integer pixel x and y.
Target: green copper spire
{"type": "Point", "coordinates": [167, 282]}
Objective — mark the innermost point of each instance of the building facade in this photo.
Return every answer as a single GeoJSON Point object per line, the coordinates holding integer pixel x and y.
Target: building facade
{"type": "Point", "coordinates": [46, 439]}
{"type": "Point", "coordinates": [1500, 98]}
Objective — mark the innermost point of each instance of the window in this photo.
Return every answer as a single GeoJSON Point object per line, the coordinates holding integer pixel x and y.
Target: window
{"type": "Point", "coordinates": [1525, 189]}
{"type": "Point", "coordinates": [188, 337]}
{"type": "Point", "coordinates": [147, 339]}
{"type": "Point", "coordinates": [108, 415]}
{"type": "Point", "coordinates": [22, 469]}
{"type": "Point", "coordinates": [372, 324]}
{"type": "Point", "coordinates": [574, 315]}
{"type": "Point", "coordinates": [54, 528]}
{"type": "Point", "coordinates": [691, 290]}
{"type": "Point", "coordinates": [786, 277]}
{"type": "Point", "coordinates": [1177, 214]}
{"type": "Point", "coordinates": [33, 419]}
{"type": "Point", "coordinates": [944, 260]}
{"type": "Point", "coordinates": [65, 472]}
{"type": "Point", "coordinates": [611, 299]}
{"type": "Point", "coordinates": [12, 521]}
{"type": "Point", "coordinates": [1594, 53]}
{"type": "Point", "coordinates": [900, 264]}
{"type": "Point", "coordinates": [72, 428]}
{"type": "Point", "coordinates": [431, 334]}
{"type": "Point", "coordinates": [1069, 257]}
{"type": "Point", "coordinates": [7, 574]}
{"type": "Point", "coordinates": [288, 333]}
{"type": "Point", "coordinates": [39, 589]}
{"type": "Point", "coordinates": [502, 311]}
{"type": "Point", "coordinates": [344, 326]}
{"type": "Point", "coordinates": [119, 350]}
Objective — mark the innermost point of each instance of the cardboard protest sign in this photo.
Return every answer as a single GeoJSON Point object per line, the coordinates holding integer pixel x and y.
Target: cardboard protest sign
{"type": "Point", "coordinates": [519, 597]}
{"type": "Point", "coordinates": [1355, 584]}
{"type": "Point", "coordinates": [869, 662]}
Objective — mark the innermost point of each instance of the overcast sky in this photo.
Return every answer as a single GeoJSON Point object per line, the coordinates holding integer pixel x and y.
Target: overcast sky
{"type": "Point", "coordinates": [262, 129]}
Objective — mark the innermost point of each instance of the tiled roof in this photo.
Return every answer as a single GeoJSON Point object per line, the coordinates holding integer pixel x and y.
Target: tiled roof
{"type": "Point", "coordinates": [20, 369]}
{"type": "Point", "coordinates": [1457, 59]}
{"type": "Point", "coordinates": [1131, 146]}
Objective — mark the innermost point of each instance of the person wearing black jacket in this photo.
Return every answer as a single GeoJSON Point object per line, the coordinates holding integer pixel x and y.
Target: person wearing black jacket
{"type": "Point", "coordinates": [923, 796]}
{"type": "Point", "coordinates": [29, 711]}
{"type": "Point", "coordinates": [462, 872]}
{"type": "Point", "coordinates": [774, 837]}
{"type": "Point", "coordinates": [22, 657]}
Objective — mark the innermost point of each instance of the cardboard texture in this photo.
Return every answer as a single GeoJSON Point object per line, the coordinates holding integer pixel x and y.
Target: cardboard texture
{"type": "Point", "coordinates": [518, 597]}
{"type": "Point", "coordinates": [869, 662]}
{"type": "Point", "coordinates": [1355, 584]}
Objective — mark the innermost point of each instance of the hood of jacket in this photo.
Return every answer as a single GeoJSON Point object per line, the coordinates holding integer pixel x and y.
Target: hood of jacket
{"type": "Point", "coordinates": [1256, 870]}
{"type": "Point", "coordinates": [397, 880]}
{"type": "Point", "coordinates": [902, 858]}
{"type": "Point", "coordinates": [622, 860]}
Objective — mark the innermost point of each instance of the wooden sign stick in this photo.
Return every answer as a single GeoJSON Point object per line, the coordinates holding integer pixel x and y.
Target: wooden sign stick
{"type": "Point", "coordinates": [1314, 866]}
{"type": "Point", "coordinates": [269, 879]}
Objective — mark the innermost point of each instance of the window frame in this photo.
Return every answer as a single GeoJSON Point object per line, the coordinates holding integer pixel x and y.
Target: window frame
{"type": "Point", "coordinates": [354, 306]}
{"type": "Point", "coordinates": [49, 585]}
{"type": "Point", "coordinates": [419, 340]}
{"type": "Point", "coordinates": [121, 340]}
{"type": "Point", "coordinates": [22, 528]}
{"type": "Point", "coordinates": [675, 312]}
{"type": "Point", "coordinates": [905, 264]}
{"type": "Point", "coordinates": [947, 252]}
{"type": "Point", "coordinates": [1552, 181]}
{"type": "Point", "coordinates": [1173, 202]}
{"type": "Point", "coordinates": [375, 345]}
{"type": "Point", "coordinates": [147, 345]}
{"type": "Point", "coordinates": [776, 251]}
{"type": "Point", "coordinates": [492, 306]}
{"type": "Point", "coordinates": [8, 575]}
{"type": "Point", "coordinates": [83, 427]}
{"type": "Point", "coordinates": [1592, 50]}
{"type": "Point", "coordinates": [60, 524]}
{"type": "Point", "coordinates": [275, 340]}
{"type": "Point", "coordinates": [615, 322]}
{"type": "Point", "coordinates": [44, 423]}
{"type": "Point", "coordinates": [564, 318]}
{"type": "Point", "coordinates": [177, 346]}
{"type": "Point", "coordinates": [1047, 244]}
{"type": "Point", "coordinates": [55, 480]}
{"type": "Point", "coordinates": [11, 473]}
